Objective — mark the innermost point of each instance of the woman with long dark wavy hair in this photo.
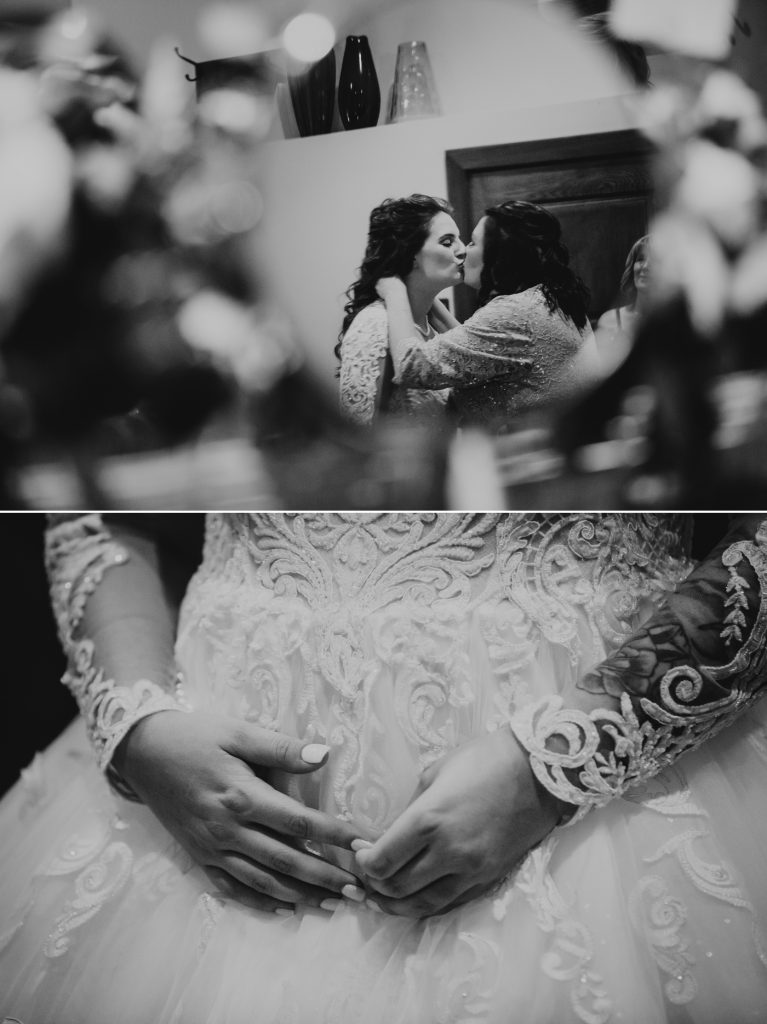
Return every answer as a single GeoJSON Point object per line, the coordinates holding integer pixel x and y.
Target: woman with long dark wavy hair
{"type": "Point", "coordinates": [529, 344]}
{"type": "Point", "coordinates": [416, 241]}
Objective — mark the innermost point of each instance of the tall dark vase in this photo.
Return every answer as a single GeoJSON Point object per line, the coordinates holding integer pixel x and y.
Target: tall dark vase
{"type": "Point", "coordinates": [313, 93]}
{"type": "Point", "coordinates": [359, 96]}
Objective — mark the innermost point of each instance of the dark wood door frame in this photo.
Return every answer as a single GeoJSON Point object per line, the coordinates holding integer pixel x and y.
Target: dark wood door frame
{"type": "Point", "coordinates": [595, 172]}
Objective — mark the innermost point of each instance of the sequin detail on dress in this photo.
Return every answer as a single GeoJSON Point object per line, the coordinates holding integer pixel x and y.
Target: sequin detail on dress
{"type": "Point", "coordinates": [588, 759]}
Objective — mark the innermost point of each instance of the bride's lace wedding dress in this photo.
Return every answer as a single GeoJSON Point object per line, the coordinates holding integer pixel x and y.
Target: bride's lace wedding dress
{"type": "Point", "coordinates": [393, 638]}
{"type": "Point", "coordinates": [366, 388]}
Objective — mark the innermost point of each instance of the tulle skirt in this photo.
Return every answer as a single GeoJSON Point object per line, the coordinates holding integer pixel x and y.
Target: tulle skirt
{"type": "Point", "coordinates": [653, 909]}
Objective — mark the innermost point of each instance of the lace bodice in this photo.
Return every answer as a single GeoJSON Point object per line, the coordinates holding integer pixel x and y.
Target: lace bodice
{"type": "Point", "coordinates": [375, 631]}
{"type": "Point", "coordinates": [365, 383]}
{"type": "Point", "coordinates": [358, 629]}
{"type": "Point", "coordinates": [511, 356]}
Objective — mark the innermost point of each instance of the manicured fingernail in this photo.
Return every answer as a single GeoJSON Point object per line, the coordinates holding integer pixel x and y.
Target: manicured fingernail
{"type": "Point", "coordinates": [353, 892]}
{"type": "Point", "coordinates": [360, 844]}
{"type": "Point", "coordinates": [374, 906]}
{"type": "Point", "coordinates": [284, 912]}
{"type": "Point", "coordinates": [331, 904]}
{"type": "Point", "coordinates": [314, 753]}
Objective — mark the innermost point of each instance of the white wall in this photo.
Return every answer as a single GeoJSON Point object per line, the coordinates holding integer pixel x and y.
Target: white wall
{"type": "Point", "coordinates": [504, 72]}
{"type": "Point", "coordinates": [504, 75]}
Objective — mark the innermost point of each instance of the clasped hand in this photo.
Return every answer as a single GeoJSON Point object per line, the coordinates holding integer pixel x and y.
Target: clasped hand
{"type": "Point", "coordinates": [475, 814]}
{"type": "Point", "coordinates": [199, 775]}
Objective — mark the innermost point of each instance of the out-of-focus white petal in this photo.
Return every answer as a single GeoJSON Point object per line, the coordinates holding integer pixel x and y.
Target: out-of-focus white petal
{"type": "Point", "coordinates": [722, 188]}
{"type": "Point", "coordinates": [237, 112]}
{"type": "Point", "coordinates": [749, 279]}
{"type": "Point", "coordinates": [107, 175]}
{"type": "Point", "coordinates": [255, 350]}
{"type": "Point", "coordinates": [36, 174]}
{"type": "Point", "coordinates": [687, 259]}
{"type": "Point", "coordinates": [700, 28]}
{"type": "Point", "coordinates": [70, 35]}
{"type": "Point", "coordinates": [726, 96]}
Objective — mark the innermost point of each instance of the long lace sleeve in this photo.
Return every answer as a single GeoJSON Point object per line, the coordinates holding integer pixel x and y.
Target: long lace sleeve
{"type": "Point", "coordinates": [494, 342]}
{"type": "Point", "coordinates": [363, 356]}
{"type": "Point", "coordinates": [693, 668]}
{"type": "Point", "coordinates": [116, 632]}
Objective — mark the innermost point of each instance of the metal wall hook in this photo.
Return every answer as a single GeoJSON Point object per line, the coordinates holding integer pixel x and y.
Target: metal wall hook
{"type": "Point", "coordinates": [189, 60]}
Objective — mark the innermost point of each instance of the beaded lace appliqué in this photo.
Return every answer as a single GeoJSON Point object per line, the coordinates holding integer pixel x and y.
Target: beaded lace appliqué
{"type": "Point", "coordinates": [560, 567]}
{"type": "Point", "coordinates": [607, 751]}
{"type": "Point", "coordinates": [78, 551]}
{"type": "Point", "coordinates": [363, 351]}
{"type": "Point", "coordinates": [363, 347]}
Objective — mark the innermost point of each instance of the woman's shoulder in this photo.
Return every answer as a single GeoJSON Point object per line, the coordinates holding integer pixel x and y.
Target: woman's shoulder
{"type": "Point", "coordinates": [372, 314]}
{"type": "Point", "coordinates": [531, 299]}
{"type": "Point", "coordinates": [368, 328]}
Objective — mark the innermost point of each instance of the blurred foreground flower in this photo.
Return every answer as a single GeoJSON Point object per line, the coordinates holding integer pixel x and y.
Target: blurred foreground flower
{"type": "Point", "coordinates": [126, 209]}
{"type": "Point", "coordinates": [706, 317]}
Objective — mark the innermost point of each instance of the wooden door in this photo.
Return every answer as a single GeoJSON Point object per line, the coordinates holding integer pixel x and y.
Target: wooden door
{"type": "Point", "coordinates": [598, 186]}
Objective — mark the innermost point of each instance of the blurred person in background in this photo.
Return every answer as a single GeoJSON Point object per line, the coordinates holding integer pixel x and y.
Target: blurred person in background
{"type": "Point", "coordinates": [616, 328]}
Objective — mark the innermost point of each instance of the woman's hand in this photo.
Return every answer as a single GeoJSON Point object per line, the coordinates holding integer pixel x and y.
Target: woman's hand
{"type": "Point", "coordinates": [388, 287]}
{"type": "Point", "coordinates": [197, 773]}
{"type": "Point", "coordinates": [476, 813]}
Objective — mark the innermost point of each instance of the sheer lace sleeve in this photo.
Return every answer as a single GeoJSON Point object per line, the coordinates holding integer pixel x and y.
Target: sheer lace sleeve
{"type": "Point", "coordinates": [119, 659]}
{"type": "Point", "coordinates": [696, 665]}
{"type": "Point", "coordinates": [363, 355]}
{"type": "Point", "coordinates": [494, 342]}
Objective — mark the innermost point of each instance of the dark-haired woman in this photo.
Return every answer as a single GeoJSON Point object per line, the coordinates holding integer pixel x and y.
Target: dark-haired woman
{"type": "Point", "coordinates": [415, 240]}
{"type": "Point", "coordinates": [530, 342]}
{"type": "Point", "coordinates": [616, 328]}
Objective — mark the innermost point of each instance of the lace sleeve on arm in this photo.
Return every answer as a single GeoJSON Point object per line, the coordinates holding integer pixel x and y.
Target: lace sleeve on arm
{"type": "Point", "coordinates": [79, 550]}
{"type": "Point", "coordinates": [696, 665]}
{"type": "Point", "coordinates": [488, 345]}
{"type": "Point", "coordinates": [363, 355]}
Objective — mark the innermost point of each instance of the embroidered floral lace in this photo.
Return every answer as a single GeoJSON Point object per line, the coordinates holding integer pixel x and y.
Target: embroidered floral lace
{"type": "Point", "coordinates": [78, 551]}
{"type": "Point", "coordinates": [670, 696]}
{"type": "Point", "coordinates": [364, 352]}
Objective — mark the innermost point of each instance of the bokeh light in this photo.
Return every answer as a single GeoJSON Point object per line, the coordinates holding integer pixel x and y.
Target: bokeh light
{"type": "Point", "coordinates": [308, 37]}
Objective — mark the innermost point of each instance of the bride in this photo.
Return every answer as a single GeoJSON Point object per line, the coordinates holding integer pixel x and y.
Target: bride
{"type": "Point", "coordinates": [416, 240]}
{"type": "Point", "coordinates": [399, 768]}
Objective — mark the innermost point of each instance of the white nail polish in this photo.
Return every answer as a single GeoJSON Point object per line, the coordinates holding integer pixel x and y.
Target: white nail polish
{"type": "Point", "coordinates": [353, 892]}
{"type": "Point", "coordinates": [331, 904]}
{"type": "Point", "coordinates": [372, 905]}
{"type": "Point", "coordinates": [285, 912]}
{"type": "Point", "coordinates": [360, 844]}
{"type": "Point", "coordinates": [314, 753]}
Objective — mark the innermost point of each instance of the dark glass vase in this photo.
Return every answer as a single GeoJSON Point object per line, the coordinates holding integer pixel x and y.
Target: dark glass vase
{"type": "Point", "coordinates": [359, 96]}
{"type": "Point", "coordinates": [313, 93]}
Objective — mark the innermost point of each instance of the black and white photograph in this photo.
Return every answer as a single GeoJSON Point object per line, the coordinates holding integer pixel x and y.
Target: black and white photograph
{"type": "Point", "coordinates": [383, 430]}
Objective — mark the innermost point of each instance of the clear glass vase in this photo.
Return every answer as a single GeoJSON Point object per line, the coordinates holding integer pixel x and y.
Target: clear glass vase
{"type": "Point", "coordinates": [414, 93]}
